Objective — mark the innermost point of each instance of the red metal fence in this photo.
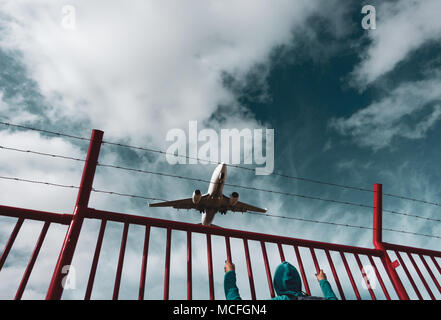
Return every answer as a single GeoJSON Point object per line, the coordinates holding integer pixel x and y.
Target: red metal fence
{"type": "Point", "coordinates": [379, 257]}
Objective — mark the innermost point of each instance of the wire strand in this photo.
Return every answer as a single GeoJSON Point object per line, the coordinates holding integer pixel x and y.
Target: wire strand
{"type": "Point", "coordinates": [255, 213]}
{"type": "Point", "coordinates": [235, 185]}
{"type": "Point", "coordinates": [273, 173]}
{"type": "Point", "coordinates": [411, 215]}
{"type": "Point", "coordinates": [76, 187]}
{"type": "Point", "coordinates": [344, 225]}
{"type": "Point", "coordinates": [44, 131]}
{"type": "Point", "coordinates": [412, 199]}
{"type": "Point", "coordinates": [52, 155]}
{"type": "Point", "coordinates": [229, 165]}
{"type": "Point", "coordinates": [39, 182]}
{"type": "Point", "coordinates": [127, 195]}
{"type": "Point", "coordinates": [237, 166]}
{"type": "Point", "coordinates": [205, 181]}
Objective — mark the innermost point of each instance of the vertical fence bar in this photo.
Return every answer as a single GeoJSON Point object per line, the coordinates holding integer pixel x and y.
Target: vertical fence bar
{"type": "Point", "coordinates": [334, 273]}
{"type": "Point", "coordinates": [145, 253]}
{"type": "Point", "coordinates": [415, 288]}
{"type": "Point", "coordinates": [249, 269]}
{"type": "Point", "coordinates": [351, 278]}
{"type": "Point", "coordinates": [189, 271]}
{"type": "Point", "coordinates": [430, 272]}
{"type": "Point", "coordinates": [10, 242]}
{"type": "Point", "coordinates": [267, 269]}
{"type": "Point", "coordinates": [95, 260]}
{"type": "Point", "coordinates": [167, 265]}
{"type": "Point", "coordinates": [436, 264]}
{"type": "Point", "coordinates": [302, 270]}
{"type": "Point", "coordinates": [366, 280]}
{"type": "Point", "coordinates": [383, 287]}
{"type": "Point", "coordinates": [421, 276]}
{"type": "Point", "coordinates": [386, 265]}
{"type": "Point", "coordinates": [378, 242]}
{"type": "Point", "coordinates": [228, 248]}
{"type": "Point", "coordinates": [210, 267]}
{"type": "Point", "coordinates": [122, 251]}
{"type": "Point", "coordinates": [314, 258]}
{"type": "Point", "coordinates": [31, 263]}
{"type": "Point", "coordinates": [282, 255]}
{"type": "Point", "coordinates": [55, 290]}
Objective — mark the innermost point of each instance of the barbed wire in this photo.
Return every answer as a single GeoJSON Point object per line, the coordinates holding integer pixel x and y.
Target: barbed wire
{"type": "Point", "coordinates": [236, 166]}
{"type": "Point", "coordinates": [249, 212]}
{"type": "Point", "coordinates": [190, 178]}
{"type": "Point", "coordinates": [207, 181]}
{"type": "Point", "coordinates": [76, 187]}
{"type": "Point", "coordinates": [44, 131]}
{"type": "Point", "coordinates": [272, 173]}
{"type": "Point", "coordinates": [216, 162]}
{"type": "Point", "coordinates": [342, 224]}
{"type": "Point", "coordinates": [41, 153]}
{"type": "Point", "coordinates": [411, 215]}
{"type": "Point", "coordinates": [127, 195]}
{"type": "Point", "coordinates": [412, 199]}
{"type": "Point", "coordinates": [39, 182]}
{"type": "Point", "coordinates": [234, 185]}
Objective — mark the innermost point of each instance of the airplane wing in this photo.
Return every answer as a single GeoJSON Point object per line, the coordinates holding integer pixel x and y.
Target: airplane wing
{"type": "Point", "coordinates": [182, 203]}
{"type": "Point", "coordinates": [240, 206]}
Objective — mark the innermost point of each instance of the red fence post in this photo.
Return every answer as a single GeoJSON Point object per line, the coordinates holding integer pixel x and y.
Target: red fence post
{"type": "Point", "coordinates": [302, 271]}
{"type": "Point", "coordinates": [189, 268]}
{"type": "Point", "coordinates": [122, 252]}
{"type": "Point", "coordinates": [96, 256]}
{"type": "Point", "coordinates": [210, 267]}
{"type": "Point", "coordinates": [167, 265]}
{"type": "Point", "coordinates": [10, 242]}
{"type": "Point", "coordinates": [228, 248]}
{"type": "Point", "coordinates": [144, 263]}
{"type": "Point", "coordinates": [430, 272]}
{"type": "Point", "coordinates": [334, 272]}
{"type": "Point", "coordinates": [73, 232]}
{"type": "Point", "coordinates": [249, 269]}
{"type": "Point", "coordinates": [378, 243]}
{"type": "Point", "coordinates": [31, 263]}
{"type": "Point", "coordinates": [267, 269]}
{"type": "Point", "coordinates": [282, 255]}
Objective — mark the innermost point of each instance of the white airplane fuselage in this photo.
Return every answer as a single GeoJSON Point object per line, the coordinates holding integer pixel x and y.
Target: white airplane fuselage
{"type": "Point", "coordinates": [215, 193]}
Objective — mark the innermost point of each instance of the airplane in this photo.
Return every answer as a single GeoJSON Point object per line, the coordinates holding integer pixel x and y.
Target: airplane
{"type": "Point", "coordinates": [213, 201]}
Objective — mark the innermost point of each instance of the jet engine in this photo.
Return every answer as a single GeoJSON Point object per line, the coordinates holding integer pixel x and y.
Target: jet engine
{"type": "Point", "coordinates": [197, 196]}
{"type": "Point", "coordinates": [234, 198]}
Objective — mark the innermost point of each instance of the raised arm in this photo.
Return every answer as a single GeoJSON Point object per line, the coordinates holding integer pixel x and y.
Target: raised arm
{"type": "Point", "coordinates": [325, 286]}
{"type": "Point", "coordinates": [231, 290]}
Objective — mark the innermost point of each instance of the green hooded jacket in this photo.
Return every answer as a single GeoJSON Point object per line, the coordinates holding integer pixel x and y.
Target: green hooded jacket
{"type": "Point", "coordinates": [287, 284]}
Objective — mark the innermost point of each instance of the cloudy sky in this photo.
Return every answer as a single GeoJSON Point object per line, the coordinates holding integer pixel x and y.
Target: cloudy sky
{"type": "Point", "coordinates": [347, 105]}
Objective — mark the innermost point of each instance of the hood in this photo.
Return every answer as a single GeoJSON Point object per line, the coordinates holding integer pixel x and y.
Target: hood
{"type": "Point", "coordinates": [287, 280]}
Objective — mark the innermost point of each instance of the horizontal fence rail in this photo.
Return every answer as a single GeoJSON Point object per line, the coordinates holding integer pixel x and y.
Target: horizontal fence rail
{"type": "Point", "coordinates": [387, 271]}
{"type": "Point", "coordinates": [333, 255]}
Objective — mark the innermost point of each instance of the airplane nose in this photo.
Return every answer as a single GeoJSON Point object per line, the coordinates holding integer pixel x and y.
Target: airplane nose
{"type": "Point", "coordinates": [222, 167]}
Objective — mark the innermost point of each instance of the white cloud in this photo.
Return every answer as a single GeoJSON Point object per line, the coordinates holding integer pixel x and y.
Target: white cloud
{"type": "Point", "coordinates": [377, 124]}
{"type": "Point", "coordinates": [140, 70]}
{"type": "Point", "coordinates": [402, 27]}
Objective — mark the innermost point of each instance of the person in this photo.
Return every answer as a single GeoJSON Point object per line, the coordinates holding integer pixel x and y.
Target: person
{"type": "Point", "coordinates": [287, 284]}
